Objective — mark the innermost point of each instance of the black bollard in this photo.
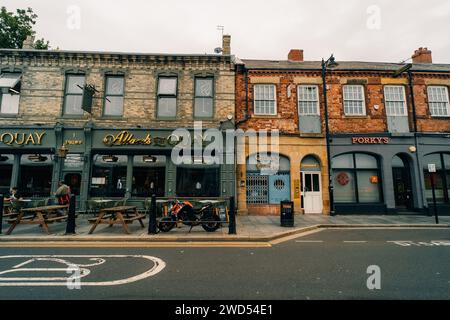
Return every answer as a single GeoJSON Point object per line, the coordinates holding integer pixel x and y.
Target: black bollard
{"type": "Point", "coordinates": [1, 212]}
{"type": "Point", "coordinates": [232, 215]}
{"type": "Point", "coordinates": [152, 228]}
{"type": "Point", "coordinates": [70, 228]}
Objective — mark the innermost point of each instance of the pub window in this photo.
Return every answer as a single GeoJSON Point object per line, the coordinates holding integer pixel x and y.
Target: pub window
{"type": "Point", "coordinates": [308, 100]}
{"type": "Point", "coordinates": [114, 92]}
{"type": "Point", "coordinates": [109, 176]}
{"type": "Point", "coordinates": [265, 99]}
{"type": "Point", "coordinates": [35, 175]}
{"type": "Point", "coordinates": [438, 101]}
{"type": "Point", "coordinates": [167, 97]}
{"type": "Point", "coordinates": [74, 94]}
{"type": "Point", "coordinates": [394, 97]}
{"type": "Point", "coordinates": [149, 174]}
{"type": "Point", "coordinates": [356, 178]}
{"type": "Point", "coordinates": [354, 101]}
{"type": "Point", "coordinates": [6, 168]}
{"type": "Point", "coordinates": [204, 97]}
{"type": "Point", "coordinates": [198, 181]}
{"type": "Point", "coordinates": [10, 85]}
{"type": "Point", "coordinates": [442, 177]}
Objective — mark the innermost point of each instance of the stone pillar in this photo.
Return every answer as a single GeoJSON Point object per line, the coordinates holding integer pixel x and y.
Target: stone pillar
{"type": "Point", "coordinates": [129, 184]}
{"type": "Point", "coordinates": [15, 171]}
{"type": "Point", "coordinates": [171, 179]}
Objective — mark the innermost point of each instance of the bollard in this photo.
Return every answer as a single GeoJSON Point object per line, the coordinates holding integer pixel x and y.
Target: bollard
{"type": "Point", "coordinates": [1, 212]}
{"type": "Point", "coordinates": [232, 214]}
{"type": "Point", "coordinates": [152, 228]}
{"type": "Point", "coordinates": [70, 228]}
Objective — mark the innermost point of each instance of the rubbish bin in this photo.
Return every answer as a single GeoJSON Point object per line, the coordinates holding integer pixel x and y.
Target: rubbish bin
{"type": "Point", "coordinates": [287, 213]}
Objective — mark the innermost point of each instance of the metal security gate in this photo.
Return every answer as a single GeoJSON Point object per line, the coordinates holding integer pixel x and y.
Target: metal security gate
{"type": "Point", "coordinates": [268, 189]}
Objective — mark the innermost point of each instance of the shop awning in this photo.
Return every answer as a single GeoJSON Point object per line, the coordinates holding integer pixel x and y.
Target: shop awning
{"type": "Point", "coordinates": [9, 80]}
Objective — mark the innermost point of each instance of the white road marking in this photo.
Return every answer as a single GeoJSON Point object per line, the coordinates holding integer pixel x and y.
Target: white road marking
{"type": "Point", "coordinates": [158, 266]}
{"type": "Point", "coordinates": [309, 241]}
{"type": "Point", "coordinates": [355, 241]}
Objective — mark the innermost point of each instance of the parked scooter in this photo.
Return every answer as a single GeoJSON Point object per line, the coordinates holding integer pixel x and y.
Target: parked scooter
{"type": "Point", "coordinates": [184, 212]}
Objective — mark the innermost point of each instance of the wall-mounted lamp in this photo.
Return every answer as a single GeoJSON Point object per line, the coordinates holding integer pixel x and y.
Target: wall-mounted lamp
{"type": "Point", "coordinates": [63, 151]}
{"type": "Point", "coordinates": [412, 149]}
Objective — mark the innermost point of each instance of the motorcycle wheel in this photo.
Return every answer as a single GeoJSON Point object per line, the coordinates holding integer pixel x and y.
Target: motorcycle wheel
{"type": "Point", "coordinates": [211, 224]}
{"type": "Point", "coordinates": [166, 224]}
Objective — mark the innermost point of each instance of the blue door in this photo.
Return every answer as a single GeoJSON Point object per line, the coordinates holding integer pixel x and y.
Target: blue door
{"type": "Point", "coordinates": [279, 188]}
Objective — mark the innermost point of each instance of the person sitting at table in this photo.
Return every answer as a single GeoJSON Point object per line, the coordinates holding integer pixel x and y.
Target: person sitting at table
{"type": "Point", "coordinates": [15, 195]}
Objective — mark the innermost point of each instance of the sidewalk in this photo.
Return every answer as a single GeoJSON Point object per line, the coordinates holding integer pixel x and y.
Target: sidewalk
{"type": "Point", "coordinates": [249, 228]}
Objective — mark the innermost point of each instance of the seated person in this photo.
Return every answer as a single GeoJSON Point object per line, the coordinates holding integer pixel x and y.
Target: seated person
{"type": "Point", "coordinates": [15, 195]}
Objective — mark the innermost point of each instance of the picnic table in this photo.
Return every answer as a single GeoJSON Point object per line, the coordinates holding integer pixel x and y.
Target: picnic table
{"type": "Point", "coordinates": [39, 215]}
{"type": "Point", "coordinates": [123, 215]}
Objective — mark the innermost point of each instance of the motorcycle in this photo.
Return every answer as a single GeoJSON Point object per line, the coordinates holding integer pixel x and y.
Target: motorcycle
{"type": "Point", "coordinates": [184, 212]}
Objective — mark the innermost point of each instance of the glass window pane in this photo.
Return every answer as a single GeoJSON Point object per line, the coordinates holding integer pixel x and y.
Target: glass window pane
{"type": "Point", "coordinates": [439, 187]}
{"type": "Point", "coordinates": [10, 103]}
{"type": "Point", "coordinates": [114, 107]}
{"type": "Point", "coordinates": [201, 182]}
{"type": "Point", "coordinates": [167, 86]}
{"type": "Point", "coordinates": [368, 186]}
{"type": "Point", "coordinates": [35, 175]}
{"type": "Point", "coordinates": [365, 161]}
{"type": "Point", "coordinates": [203, 87]}
{"type": "Point", "coordinates": [6, 167]}
{"type": "Point", "coordinates": [73, 104]}
{"type": "Point", "coordinates": [447, 161]}
{"type": "Point", "coordinates": [109, 176]}
{"type": "Point", "coordinates": [344, 161]}
{"type": "Point", "coordinates": [203, 107]}
{"type": "Point", "coordinates": [114, 85]}
{"type": "Point", "coordinates": [74, 161]}
{"type": "Point", "coordinates": [73, 83]}
{"type": "Point", "coordinates": [432, 159]}
{"type": "Point", "coordinates": [316, 183]}
{"type": "Point", "coordinates": [167, 107]}
{"type": "Point", "coordinates": [344, 187]}
{"type": "Point", "coordinates": [308, 183]}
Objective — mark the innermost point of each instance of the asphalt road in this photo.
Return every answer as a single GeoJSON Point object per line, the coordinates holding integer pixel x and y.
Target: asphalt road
{"type": "Point", "coordinates": [331, 264]}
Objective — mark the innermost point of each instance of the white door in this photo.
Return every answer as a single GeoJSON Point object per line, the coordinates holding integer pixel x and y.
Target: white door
{"type": "Point", "coordinates": [312, 192]}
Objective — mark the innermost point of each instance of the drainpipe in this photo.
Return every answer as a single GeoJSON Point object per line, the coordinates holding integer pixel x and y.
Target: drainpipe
{"type": "Point", "coordinates": [416, 143]}
{"type": "Point", "coordinates": [327, 134]}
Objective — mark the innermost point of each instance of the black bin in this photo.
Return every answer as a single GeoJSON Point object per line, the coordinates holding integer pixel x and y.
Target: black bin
{"type": "Point", "coordinates": [287, 213]}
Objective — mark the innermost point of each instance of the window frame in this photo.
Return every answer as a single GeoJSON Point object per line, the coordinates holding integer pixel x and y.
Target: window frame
{"type": "Point", "coordinates": [317, 99]}
{"type": "Point", "coordinates": [159, 96]}
{"type": "Point", "coordinates": [106, 95]}
{"type": "Point", "coordinates": [364, 106]}
{"type": "Point", "coordinates": [212, 97]}
{"type": "Point", "coordinates": [431, 102]}
{"type": "Point", "coordinates": [405, 104]}
{"type": "Point", "coordinates": [15, 114]}
{"type": "Point", "coordinates": [66, 85]}
{"type": "Point", "coordinates": [255, 100]}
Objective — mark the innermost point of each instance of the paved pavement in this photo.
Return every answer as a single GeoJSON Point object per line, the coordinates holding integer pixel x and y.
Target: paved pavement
{"type": "Point", "coordinates": [249, 228]}
{"type": "Point", "coordinates": [326, 264]}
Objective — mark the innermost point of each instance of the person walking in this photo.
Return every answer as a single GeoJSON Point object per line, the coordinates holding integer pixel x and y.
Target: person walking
{"type": "Point", "coordinates": [62, 194]}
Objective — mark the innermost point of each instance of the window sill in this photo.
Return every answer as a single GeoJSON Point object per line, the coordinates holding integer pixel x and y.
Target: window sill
{"type": "Point", "coordinates": [440, 117]}
{"type": "Point", "coordinates": [75, 117]}
{"type": "Point", "coordinates": [9, 115]}
{"type": "Point", "coordinates": [355, 117]}
{"type": "Point", "coordinates": [264, 116]}
{"type": "Point", "coordinates": [113, 118]}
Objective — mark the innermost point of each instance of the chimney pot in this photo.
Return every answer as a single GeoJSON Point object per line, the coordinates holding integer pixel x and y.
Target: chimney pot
{"type": "Point", "coordinates": [28, 43]}
{"type": "Point", "coordinates": [295, 55]}
{"type": "Point", "coordinates": [422, 55]}
{"type": "Point", "coordinates": [226, 44]}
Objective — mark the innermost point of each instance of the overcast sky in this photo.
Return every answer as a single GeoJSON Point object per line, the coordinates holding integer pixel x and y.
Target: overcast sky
{"type": "Point", "coordinates": [369, 30]}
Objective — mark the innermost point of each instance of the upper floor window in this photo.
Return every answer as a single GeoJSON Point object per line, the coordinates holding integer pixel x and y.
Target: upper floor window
{"type": "Point", "coordinates": [74, 94]}
{"type": "Point", "coordinates": [114, 92]}
{"type": "Point", "coordinates": [354, 102]}
{"type": "Point", "coordinates": [438, 101]}
{"type": "Point", "coordinates": [308, 100]}
{"type": "Point", "coordinates": [204, 97]}
{"type": "Point", "coordinates": [167, 97]}
{"type": "Point", "coordinates": [265, 99]}
{"type": "Point", "coordinates": [10, 85]}
{"type": "Point", "coordinates": [394, 97]}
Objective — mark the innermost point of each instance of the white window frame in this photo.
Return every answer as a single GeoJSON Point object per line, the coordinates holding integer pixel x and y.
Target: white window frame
{"type": "Point", "coordinates": [386, 102]}
{"type": "Point", "coordinates": [255, 100]}
{"type": "Point", "coordinates": [13, 97]}
{"type": "Point", "coordinates": [430, 101]}
{"type": "Point", "coordinates": [361, 87]}
{"type": "Point", "coordinates": [316, 100]}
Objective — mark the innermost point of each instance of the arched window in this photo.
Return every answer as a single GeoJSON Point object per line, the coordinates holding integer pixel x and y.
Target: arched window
{"type": "Point", "coordinates": [356, 178]}
{"type": "Point", "coordinates": [442, 177]}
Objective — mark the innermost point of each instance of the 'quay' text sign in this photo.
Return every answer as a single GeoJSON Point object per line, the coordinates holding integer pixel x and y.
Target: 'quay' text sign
{"type": "Point", "coordinates": [20, 139]}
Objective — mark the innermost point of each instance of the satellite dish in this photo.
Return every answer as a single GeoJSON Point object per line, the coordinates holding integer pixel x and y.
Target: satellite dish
{"type": "Point", "coordinates": [218, 50]}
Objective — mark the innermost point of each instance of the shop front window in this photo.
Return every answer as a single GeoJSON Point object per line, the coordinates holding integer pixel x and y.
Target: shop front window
{"type": "Point", "coordinates": [109, 176]}
{"type": "Point", "coordinates": [149, 174]}
{"type": "Point", "coordinates": [441, 178]}
{"type": "Point", "coordinates": [36, 172]}
{"type": "Point", "coordinates": [6, 167]}
{"type": "Point", "coordinates": [193, 181]}
{"type": "Point", "coordinates": [356, 179]}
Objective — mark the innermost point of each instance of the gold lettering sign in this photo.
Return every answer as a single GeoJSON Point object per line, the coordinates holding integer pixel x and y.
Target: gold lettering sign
{"type": "Point", "coordinates": [373, 140]}
{"type": "Point", "coordinates": [21, 139]}
{"type": "Point", "coordinates": [73, 142]}
{"type": "Point", "coordinates": [125, 138]}
{"type": "Point", "coordinates": [296, 189]}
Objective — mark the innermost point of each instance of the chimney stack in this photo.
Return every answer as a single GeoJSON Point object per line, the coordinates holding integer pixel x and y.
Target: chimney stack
{"type": "Point", "coordinates": [295, 55]}
{"type": "Point", "coordinates": [226, 44]}
{"type": "Point", "coordinates": [422, 55]}
{"type": "Point", "coordinates": [28, 43]}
